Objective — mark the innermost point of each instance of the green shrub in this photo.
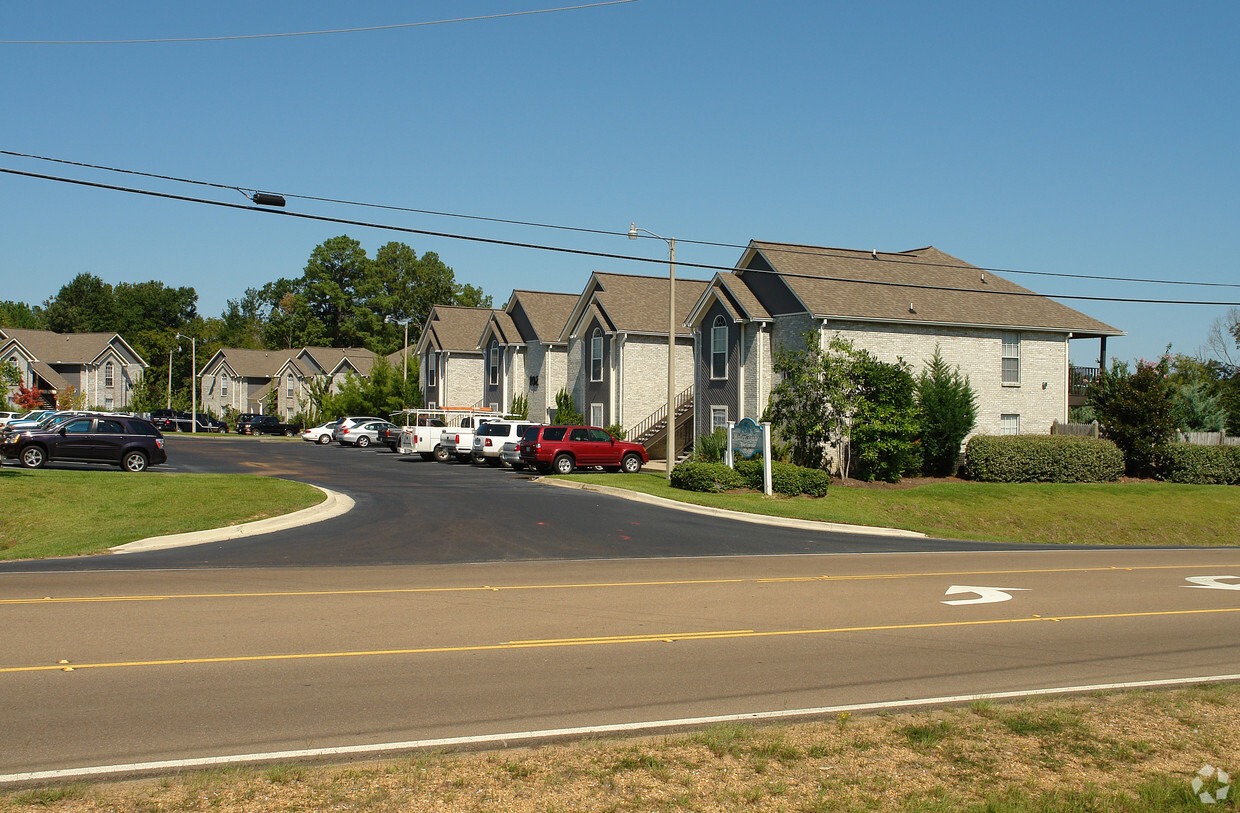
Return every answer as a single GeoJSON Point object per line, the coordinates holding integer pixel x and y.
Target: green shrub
{"type": "Point", "coordinates": [1203, 465]}
{"type": "Point", "coordinates": [705, 477]}
{"type": "Point", "coordinates": [711, 448]}
{"type": "Point", "coordinates": [786, 478]}
{"type": "Point", "coordinates": [1042, 459]}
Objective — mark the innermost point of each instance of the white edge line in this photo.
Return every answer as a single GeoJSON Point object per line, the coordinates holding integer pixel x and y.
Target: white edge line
{"type": "Point", "coordinates": [504, 740]}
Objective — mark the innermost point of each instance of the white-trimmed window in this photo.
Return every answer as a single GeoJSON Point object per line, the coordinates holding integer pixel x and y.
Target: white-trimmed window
{"type": "Point", "coordinates": [494, 379]}
{"type": "Point", "coordinates": [432, 369]}
{"type": "Point", "coordinates": [719, 348]}
{"type": "Point", "coordinates": [430, 404]}
{"type": "Point", "coordinates": [596, 355]}
{"type": "Point", "coordinates": [107, 374]}
{"type": "Point", "coordinates": [718, 418]}
{"type": "Point", "coordinates": [1009, 424]}
{"type": "Point", "coordinates": [289, 390]}
{"type": "Point", "coordinates": [596, 414]}
{"type": "Point", "coordinates": [223, 386]}
{"type": "Point", "coordinates": [1011, 359]}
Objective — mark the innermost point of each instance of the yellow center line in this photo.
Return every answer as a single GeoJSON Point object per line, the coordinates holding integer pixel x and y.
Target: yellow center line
{"type": "Point", "coordinates": [50, 600]}
{"type": "Point", "coordinates": [623, 639]}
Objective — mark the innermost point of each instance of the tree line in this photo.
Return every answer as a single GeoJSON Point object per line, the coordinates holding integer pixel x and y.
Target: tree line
{"type": "Point", "coordinates": [343, 298]}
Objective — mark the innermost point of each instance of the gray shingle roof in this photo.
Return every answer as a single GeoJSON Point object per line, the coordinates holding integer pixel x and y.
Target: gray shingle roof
{"type": "Point", "coordinates": [635, 304]}
{"type": "Point", "coordinates": [455, 329]}
{"type": "Point", "coordinates": [923, 285]}
{"type": "Point", "coordinates": [547, 312]}
{"type": "Point", "coordinates": [64, 348]}
{"type": "Point", "coordinates": [252, 363]}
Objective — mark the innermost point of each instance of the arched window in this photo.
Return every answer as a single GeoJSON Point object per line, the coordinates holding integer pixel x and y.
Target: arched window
{"type": "Point", "coordinates": [107, 374]}
{"type": "Point", "coordinates": [494, 379]}
{"type": "Point", "coordinates": [719, 348]}
{"type": "Point", "coordinates": [596, 355]}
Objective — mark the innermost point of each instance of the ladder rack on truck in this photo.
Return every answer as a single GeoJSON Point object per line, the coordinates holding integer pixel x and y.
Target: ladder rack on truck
{"type": "Point", "coordinates": [422, 430]}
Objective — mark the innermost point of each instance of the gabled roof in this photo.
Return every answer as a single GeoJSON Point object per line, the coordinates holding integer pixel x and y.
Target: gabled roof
{"type": "Point", "coordinates": [547, 312]}
{"type": "Point", "coordinates": [330, 360]}
{"type": "Point", "coordinates": [249, 363]}
{"type": "Point", "coordinates": [924, 285]}
{"type": "Point", "coordinates": [453, 328]}
{"type": "Point", "coordinates": [501, 326]}
{"type": "Point", "coordinates": [68, 348]}
{"type": "Point", "coordinates": [635, 304]}
{"type": "Point", "coordinates": [735, 297]}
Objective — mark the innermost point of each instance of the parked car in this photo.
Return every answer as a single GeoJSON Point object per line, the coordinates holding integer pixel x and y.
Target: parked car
{"type": "Point", "coordinates": [364, 434]}
{"type": "Point", "coordinates": [458, 441]}
{"type": "Point", "coordinates": [167, 420]}
{"type": "Point", "coordinates": [510, 453]}
{"type": "Point", "coordinates": [321, 434]}
{"type": "Point", "coordinates": [421, 432]}
{"type": "Point", "coordinates": [270, 425]}
{"type": "Point", "coordinates": [563, 448]}
{"type": "Point", "coordinates": [243, 421]}
{"type": "Point", "coordinates": [30, 419]}
{"type": "Point", "coordinates": [345, 423]}
{"type": "Point", "coordinates": [389, 435]}
{"type": "Point", "coordinates": [131, 443]}
{"type": "Point", "coordinates": [490, 437]}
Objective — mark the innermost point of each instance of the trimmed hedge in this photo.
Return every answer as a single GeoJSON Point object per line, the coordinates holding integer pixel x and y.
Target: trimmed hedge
{"type": "Point", "coordinates": [786, 478]}
{"type": "Point", "coordinates": [1202, 465]}
{"type": "Point", "coordinates": [1042, 459]}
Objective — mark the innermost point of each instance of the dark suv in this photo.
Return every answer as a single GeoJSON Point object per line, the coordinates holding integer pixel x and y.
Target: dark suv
{"type": "Point", "coordinates": [131, 443]}
{"type": "Point", "coordinates": [563, 448]}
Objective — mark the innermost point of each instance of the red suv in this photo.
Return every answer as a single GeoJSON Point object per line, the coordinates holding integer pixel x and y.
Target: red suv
{"type": "Point", "coordinates": [563, 448]}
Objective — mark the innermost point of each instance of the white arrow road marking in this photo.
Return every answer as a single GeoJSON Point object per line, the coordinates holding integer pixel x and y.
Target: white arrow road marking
{"type": "Point", "coordinates": [1212, 582]}
{"type": "Point", "coordinates": [986, 595]}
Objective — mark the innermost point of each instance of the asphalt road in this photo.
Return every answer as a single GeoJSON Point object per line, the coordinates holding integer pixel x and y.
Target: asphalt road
{"type": "Point", "coordinates": [466, 605]}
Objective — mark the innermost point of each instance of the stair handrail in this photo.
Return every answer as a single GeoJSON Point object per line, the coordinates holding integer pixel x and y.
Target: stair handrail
{"type": "Point", "coordinates": [659, 415]}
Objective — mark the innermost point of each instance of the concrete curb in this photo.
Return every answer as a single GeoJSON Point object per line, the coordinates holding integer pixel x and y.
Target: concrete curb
{"type": "Point", "coordinates": [739, 516]}
{"type": "Point", "coordinates": [335, 505]}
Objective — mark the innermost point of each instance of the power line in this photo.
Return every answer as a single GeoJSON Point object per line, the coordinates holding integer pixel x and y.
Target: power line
{"type": "Point", "coordinates": [580, 252]}
{"type": "Point", "coordinates": [316, 33]}
{"type": "Point", "coordinates": [786, 249]}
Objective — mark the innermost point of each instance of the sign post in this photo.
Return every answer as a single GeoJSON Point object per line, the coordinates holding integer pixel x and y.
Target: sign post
{"type": "Point", "coordinates": [748, 439]}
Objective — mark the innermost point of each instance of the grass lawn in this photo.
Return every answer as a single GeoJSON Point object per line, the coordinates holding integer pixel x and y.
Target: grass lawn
{"type": "Point", "coordinates": [1138, 513]}
{"type": "Point", "coordinates": [65, 513]}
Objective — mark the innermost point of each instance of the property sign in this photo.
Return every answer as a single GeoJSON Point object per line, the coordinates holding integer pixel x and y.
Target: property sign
{"type": "Point", "coordinates": [747, 439]}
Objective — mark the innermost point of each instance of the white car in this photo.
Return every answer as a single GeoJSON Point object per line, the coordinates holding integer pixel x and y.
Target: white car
{"type": "Point", "coordinates": [491, 436]}
{"type": "Point", "coordinates": [363, 434]}
{"type": "Point", "coordinates": [343, 424]}
{"type": "Point", "coordinates": [321, 434]}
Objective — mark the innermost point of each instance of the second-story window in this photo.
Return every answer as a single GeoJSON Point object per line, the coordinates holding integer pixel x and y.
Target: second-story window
{"type": "Point", "coordinates": [289, 391]}
{"type": "Point", "coordinates": [719, 349]}
{"type": "Point", "coordinates": [224, 386]}
{"type": "Point", "coordinates": [1011, 359]}
{"type": "Point", "coordinates": [432, 368]}
{"type": "Point", "coordinates": [107, 374]}
{"type": "Point", "coordinates": [596, 355]}
{"type": "Point", "coordinates": [494, 365]}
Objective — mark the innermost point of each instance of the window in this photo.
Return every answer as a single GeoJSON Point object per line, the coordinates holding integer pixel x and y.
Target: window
{"type": "Point", "coordinates": [718, 418]}
{"type": "Point", "coordinates": [600, 436]}
{"type": "Point", "coordinates": [430, 404]}
{"type": "Point", "coordinates": [596, 355]}
{"type": "Point", "coordinates": [108, 403]}
{"type": "Point", "coordinates": [107, 374]}
{"type": "Point", "coordinates": [289, 391]}
{"type": "Point", "coordinates": [81, 427]}
{"type": "Point", "coordinates": [110, 427]}
{"type": "Point", "coordinates": [579, 435]}
{"type": "Point", "coordinates": [494, 364]}
{"type": "Point", "coordinates": [719, 349]}
{"type": "Point", "coordinates": [1009, 424]}
{"type": "Point", "coordinates": [432, 368]}
{"type": "Point", "coordinates": [596, 414]}
{"type": "Point", "coordinates": [1011, 359]}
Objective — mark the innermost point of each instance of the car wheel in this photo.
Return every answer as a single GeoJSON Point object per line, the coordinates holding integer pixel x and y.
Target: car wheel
{"type": "Point", "coordinates": [363, 441]}
{"type": "Point", "coordinates": [563, 464]}
{"type": "Point", "coordinates": [288, 433]}
{"type": "Point", "coordinates": [134, 461]}
{"type": "Point", "coordinates": [441, 454]}
{"type": "Point", "coordinates": [33, 457]}
{"type": "Point", "coordinates": [324, 439]}
{"type": "Point", "coordinates": [631, 464]}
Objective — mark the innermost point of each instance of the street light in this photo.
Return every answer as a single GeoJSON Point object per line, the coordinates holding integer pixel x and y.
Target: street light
{"type": "Point", "coordinates": [405, 350]}
{"type": "Point", "coordinates": [193, 381]}
{"type": "Point", "coordinates": [671, 342]}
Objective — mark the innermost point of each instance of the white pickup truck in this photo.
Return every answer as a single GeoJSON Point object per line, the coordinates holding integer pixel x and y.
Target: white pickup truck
{"type": "Point", "coordinates": [432, 433]}
{"type": "Point", "coordinates": [458, 441]}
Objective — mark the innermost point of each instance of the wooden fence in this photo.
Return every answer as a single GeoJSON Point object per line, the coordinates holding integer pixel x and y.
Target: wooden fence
{"type": "Point", "coordinates": [1087, 430]}
{"type": "Point", "coordinates": [1208, 439]}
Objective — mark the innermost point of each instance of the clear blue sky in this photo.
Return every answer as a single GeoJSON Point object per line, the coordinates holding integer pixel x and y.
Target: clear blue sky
{"type": "Point", "coordinates": [1077, 138]}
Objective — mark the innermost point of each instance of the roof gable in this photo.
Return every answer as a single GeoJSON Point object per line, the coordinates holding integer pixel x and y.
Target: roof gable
{"type": "Point", "coordinates": [923, 285]}
{"type": "Point", "coordinates": [635, 304]}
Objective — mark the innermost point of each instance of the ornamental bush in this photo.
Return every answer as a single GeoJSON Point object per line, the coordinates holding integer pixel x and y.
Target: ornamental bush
{"type": "Point", "coordinates": [1042, 459]}
{"type": "Point", "coordinates": [1202, 465]}
{"type": "Point", "coordinates": [706, 477]}
{"type": "Point", "coordinates": [786, 478]}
